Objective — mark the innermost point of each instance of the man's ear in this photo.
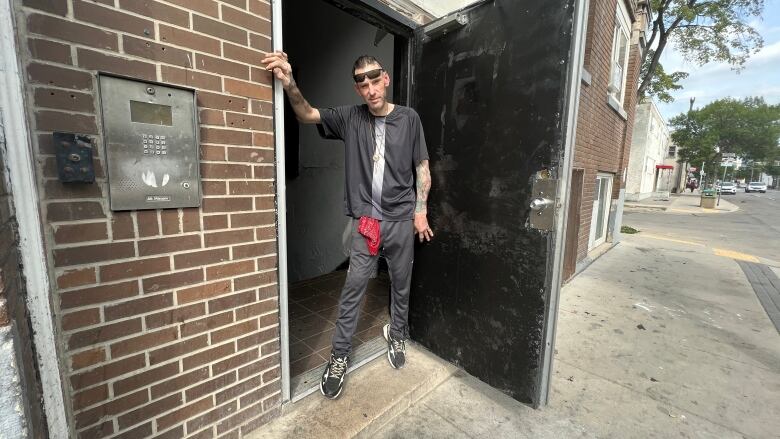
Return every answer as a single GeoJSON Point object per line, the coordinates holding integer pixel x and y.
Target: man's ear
{"type": "Point", "coordinates": [387, 79]}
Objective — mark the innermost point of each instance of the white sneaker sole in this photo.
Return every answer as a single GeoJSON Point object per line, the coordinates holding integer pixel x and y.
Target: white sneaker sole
{"type": "Point", "coordinates": [330, 397]}
{"type": "Point", "coordinates": [386, 335]}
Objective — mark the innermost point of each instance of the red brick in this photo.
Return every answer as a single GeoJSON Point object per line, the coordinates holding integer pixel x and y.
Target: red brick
{"type": "Point", "coordinates": [104, 333]}
{"type": "Point", "coordinates": [234, 362]}
{"type": "Point", "coordinates": [80, 319]}
{"type": "Point", "coordinates": [200, 258]}
{"type": "Point", "coordinates": [248, 89]}
{"type": "Point", "coordinates": [267, 263]}
{"type": "Point", "coordinates": [110, 408]}
{"type": "Point", "coordinates": [178, 349]}
{"type": "Point", "coordinates": [251, 155]}
{"type": "Point", "coordinates": [256, 309]}
{"type": "Point", "coordinates": [221, 102]}
{"type": "Point", "coordinates": [176, 315]}
{"type": "Point", "coordinates": [208, 356]}
{"type": "Point", "coordinates": [98, 294]}
{"type": "Point", "coordinates": [229, 270]}
{"type": "Point", "coordinates": [206, 324]}
{"type": "Point", "coordinates": [214, 222]}
{"type": "Point", "coordinates": [233, 331]}
{"type": "Point", "coordinates": [76, 278]}
{"type": "Point", "coordinates": [219, 29]}
{"type": "Point", "coordinates": [263, 139]}
{"type": "Point", "coordinates": [180, 382]}
{"type": "Point", "coordinates": [263, 233]}
{"type": "Point", "coordinates": [262, 108]}
{"type": "Point", "coordinates": [98, 432]}
{"type": "Point", "coordinates": [59, 7]}
{"type": "Point", "coordinates": [71, 31]}
{"type": "Point", "coordinates": [54, 189]}
{"type": "Point", "coordinates": [138, 306]}
{"type": "Point", "coordinates": [89, 397]}
{"type": "Point", "coordinates": [145, 378]}
{"type": "Point", "coordinates": [107, 372]}
{"type": "Point", "coordinates": [251, 219]}
{"type": "Point", "coordinates": [211, 205]}
{"type": "Point", "coordinates": [202, 292]}
{"type": "Point", "coordinates": [50, 120]}
{"type": "Point", "coordinates": [255, 383]}
{"type": "Point", "coordinates": [184, 413]}
{"type": "Point", "coordinates": [239, 418]}
{"type": "Point", "coordinates": [191, 78]}
{"type": "Point", "coordinates": [149, 411]}
{"type": "Point", "coordinates": [265, 203]}
{"type": "Point", "coordinates": [261, 76]}
{"type": "Point", "coordinates": [190, 220]}
{"type": "Point", "coordinates": [233, 301]}
{"type": "Point", "coordinates": [157, 11]}
{"type": "Point", "coordinates": [144, 430]}
{"type": "Point", "coordinates": [143, 342]}
{"type": "Point", "coordinates": [219, 171]}
{"type": "Point", "coordinates": [210, 386]}
{"type": "Point", "coordinates": [92, 60]}
{"type": "Point", "coordinates": [215, 239]}
{"type": "Point", "coordinates": [111, 18]}
{"type": "Point", "coordinates": [169, 220]}
{"type": "Point", "coordinates": [68, 234]}
{"type": "Point", "coordinates": [46, 50]}
{"type": "Point", "coordinates": [260, 42]}
{"type": "Point", "coordinates": [211, 417]}
{"type": "Point", "coordinates": [87, 358]}
{"type": "Point", "coordinates": [59, 77]}
{"type": "Point", "coordinates": [243, 54]}
{"type": "Point", "coordinates": [212, 117]}
{"type": "Point", "coordinates": [246, 21]}
{"type": "Point", "coordinates": [156, 51]}
{"type": "Point", "coordinates": [168, 245]}
{"type": "Point", "coordinates": [251, 187]}
{"type": "Point", "coordinates": [272, 375]}
{"type": "Point", "coordinates": [122, 225]}
{"type": "Point", "coordinates": [190, 40]}
{"type": "Point", "coordinates": [64, 100]}
{"type": "Point", "coordinates": [260, 8]}
{"type": "Point", "coordinates": [212, 153]}
{"type": "Point", "coordinates": [173, 280]}
{"type": "Point", "coordinates": [248, 122]}
{"type": "Point", "coordinates": [264, 171]}
{"type": "Point", "coordinates": [221, 66]}
{"type": "Point", "coordinates": [148, 225]}
{"type": "Point", "coordinates": [93, 253]}
{"type": "Point", "coordinates": [140, 267]}
{"type": "Point", "coordinates": [257, 338]}
{"type": "Point", "coordinates": [208, 7]}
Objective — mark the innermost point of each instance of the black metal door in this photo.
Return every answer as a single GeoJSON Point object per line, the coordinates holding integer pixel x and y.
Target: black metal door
{"type": "Point", "coordinates": [490, 90]}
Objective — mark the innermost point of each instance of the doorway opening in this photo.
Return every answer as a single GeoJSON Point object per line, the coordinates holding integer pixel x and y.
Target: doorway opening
{"type": "Point", "coordinates": [322, 39]}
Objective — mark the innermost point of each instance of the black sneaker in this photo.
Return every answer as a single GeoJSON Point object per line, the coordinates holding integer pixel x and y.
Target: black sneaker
{"type": "Point", "coordinates": [333, 377]}
{"type": "Point", "coordinates": [396, 349]}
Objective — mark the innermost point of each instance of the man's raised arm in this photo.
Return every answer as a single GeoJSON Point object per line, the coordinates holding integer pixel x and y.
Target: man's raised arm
{"type": "Point", "coordinates": [278, 63]}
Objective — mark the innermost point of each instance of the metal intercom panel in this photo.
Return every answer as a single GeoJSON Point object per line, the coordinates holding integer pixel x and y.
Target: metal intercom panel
{"type": "Point", "coordinates": [151, 142]}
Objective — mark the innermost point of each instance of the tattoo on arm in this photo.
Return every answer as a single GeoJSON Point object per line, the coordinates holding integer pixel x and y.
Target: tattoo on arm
{"type": "Point", "coordinates": [297, 101]}
{"type": "Point", "coordinates": [423, 187]}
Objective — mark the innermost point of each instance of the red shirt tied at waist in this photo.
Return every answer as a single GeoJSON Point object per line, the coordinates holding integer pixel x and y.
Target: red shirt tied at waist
{"type": "Point", "coordinates": [369, 227]}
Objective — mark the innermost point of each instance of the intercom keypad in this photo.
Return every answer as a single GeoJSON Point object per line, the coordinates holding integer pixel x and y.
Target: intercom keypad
{"type": "Point", "coordinates": [154, 144]}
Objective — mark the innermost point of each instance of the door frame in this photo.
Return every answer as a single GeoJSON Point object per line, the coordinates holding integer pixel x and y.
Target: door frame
{"type": "Point", "coordinates": [595, 241]}
{"type": "Point", "coordinates": [376, 14]}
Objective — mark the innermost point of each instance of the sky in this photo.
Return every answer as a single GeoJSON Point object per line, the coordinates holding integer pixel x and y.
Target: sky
{"type": "Point", "coordinates": [760, 76]}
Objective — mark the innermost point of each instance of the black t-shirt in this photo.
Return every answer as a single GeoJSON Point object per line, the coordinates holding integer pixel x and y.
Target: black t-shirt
{"type": "Point", "coordinates": [404, 149]}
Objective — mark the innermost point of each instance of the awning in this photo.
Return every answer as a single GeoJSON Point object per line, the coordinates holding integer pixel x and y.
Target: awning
{"type": "Point", "coordinates": [664, 167]}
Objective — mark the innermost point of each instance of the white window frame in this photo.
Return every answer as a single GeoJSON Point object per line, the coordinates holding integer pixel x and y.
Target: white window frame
{"type": "Point", "coordinates": [595, 241]}
{"type": "Point", "coordinates": [617, 91]}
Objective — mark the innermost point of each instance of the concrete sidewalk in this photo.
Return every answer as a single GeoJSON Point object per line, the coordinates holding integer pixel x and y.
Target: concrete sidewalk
{"type": "Point", "coordinates": [685, 203]}
{"type": "Point", "coordinates": [655, 339]}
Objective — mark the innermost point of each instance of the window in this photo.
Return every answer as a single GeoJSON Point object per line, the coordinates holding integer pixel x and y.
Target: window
{"type": "Point", "coordinates": [619, 61]}
{"type": "Point", "coordinates": [602, 200]}
{"type": "Point", "coordinates": [672, 151]}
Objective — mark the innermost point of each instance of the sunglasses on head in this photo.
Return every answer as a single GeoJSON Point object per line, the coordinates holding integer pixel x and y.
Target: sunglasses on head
{"type": "Point", "coordinates": [371, 74]}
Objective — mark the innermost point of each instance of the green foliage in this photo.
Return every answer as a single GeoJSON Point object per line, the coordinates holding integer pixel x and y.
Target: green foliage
{"type": "Point", "coordinates": [702, 31]}
{"type": "Point", "coordinates": [661, 83]}
{"type": "Point", "coordinates": [628, 230]}
{"type": "Point", "coordinates": [750, 128]}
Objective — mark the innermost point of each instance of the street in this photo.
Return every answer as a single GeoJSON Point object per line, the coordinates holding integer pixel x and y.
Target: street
{"type": "Point", "coordinates": [754, 229]}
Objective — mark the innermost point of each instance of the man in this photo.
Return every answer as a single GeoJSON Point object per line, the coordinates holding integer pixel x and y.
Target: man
{"type": "Point", "coordinates": [385, 155]}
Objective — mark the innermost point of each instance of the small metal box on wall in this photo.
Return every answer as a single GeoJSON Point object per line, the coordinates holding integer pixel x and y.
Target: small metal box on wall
{"type": "Point", "coordinates": [151, 143]}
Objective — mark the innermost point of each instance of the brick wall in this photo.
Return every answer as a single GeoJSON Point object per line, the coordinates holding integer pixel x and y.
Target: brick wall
{"type": "Point", "coordinates": [167, 319]}
{"type": "Point", "coordinates": [603, 136]}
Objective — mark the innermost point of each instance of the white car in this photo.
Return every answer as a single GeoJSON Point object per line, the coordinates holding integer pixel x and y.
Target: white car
{"type": "Point", "coordinates": [727, 187]}
{"type": "Point", "coordinates": [756, 186]}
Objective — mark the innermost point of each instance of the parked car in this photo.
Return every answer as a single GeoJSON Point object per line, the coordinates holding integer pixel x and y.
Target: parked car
{"type": "Point", "coordinates": [727, 187]}
{"type": "Point", "coordinates": [756, 186]}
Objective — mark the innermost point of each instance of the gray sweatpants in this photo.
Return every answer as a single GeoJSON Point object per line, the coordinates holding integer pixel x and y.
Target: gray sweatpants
{"type": "Point", "coordinates": [397, 242]}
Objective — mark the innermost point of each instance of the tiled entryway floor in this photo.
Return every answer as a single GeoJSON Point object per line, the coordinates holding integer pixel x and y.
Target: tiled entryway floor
{"type": "Point", "coordinates": [313, 309]}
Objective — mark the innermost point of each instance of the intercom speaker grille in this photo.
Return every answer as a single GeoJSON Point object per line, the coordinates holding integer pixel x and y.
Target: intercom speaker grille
{"type": "Point", "coordinates": [127, 184]}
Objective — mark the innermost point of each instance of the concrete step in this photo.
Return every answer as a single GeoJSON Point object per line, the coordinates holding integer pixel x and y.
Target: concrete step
{"type": "Point", "coordinates": [373, 395]}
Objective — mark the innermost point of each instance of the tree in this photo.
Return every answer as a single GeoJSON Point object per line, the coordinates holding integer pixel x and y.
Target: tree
{"type": "Point", "coordinates": [749, 128]}
{"type": "Point", "coordinates": [703, 31]}
{"type": "Point", "coordinates": [661, 83]}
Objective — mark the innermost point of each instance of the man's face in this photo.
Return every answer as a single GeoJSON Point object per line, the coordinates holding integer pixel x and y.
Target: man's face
{"type": "Point", "coordinates": [373, 91]}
